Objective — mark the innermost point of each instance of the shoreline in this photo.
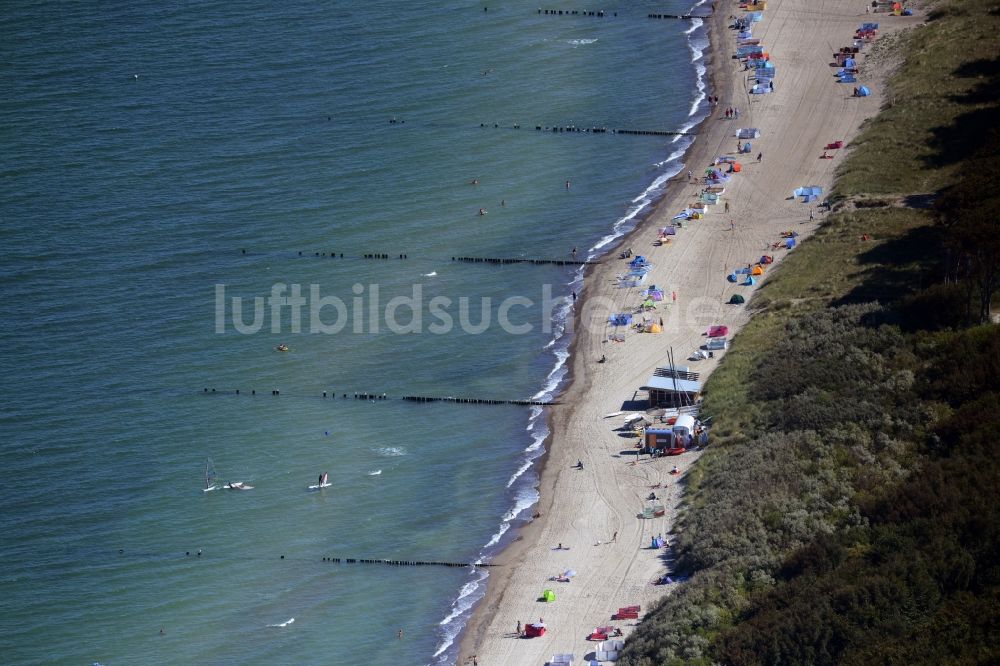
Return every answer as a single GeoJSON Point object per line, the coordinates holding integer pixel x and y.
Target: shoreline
{"type": "Point", "coordinates": [591, 512]}
{"type": "Point", "coordinates": [576, 380]}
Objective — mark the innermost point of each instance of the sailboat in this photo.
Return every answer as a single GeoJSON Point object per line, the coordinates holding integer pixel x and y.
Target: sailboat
{"type": "Point", "coordinates": [324, 482]}
{"type": "Point", "coordinates": [210, 476]}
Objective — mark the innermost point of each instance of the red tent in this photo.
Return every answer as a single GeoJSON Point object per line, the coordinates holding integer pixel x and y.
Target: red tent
{"type": "Point", "coordinates": [534, 630]}
{"type": "Point", "coordinates": [718, 331]}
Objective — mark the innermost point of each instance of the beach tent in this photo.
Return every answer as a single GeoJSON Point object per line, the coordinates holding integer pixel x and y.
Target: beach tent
{"type": "Point", "coordinates": [863, 91]}
{"type": "Point", "coordinates": [548, 595]}
{"type": "Point", "coordinates": [747, 133]}
{"type": "Point", "coordinates": [534, 630]}
{"type": "Point", "coordinates": [760, 89]}
{"type": "Point", "coordinates": [808, 193]}
{"type": "Point", "coordinates": [737, 299]}
{"type": "Point", "coordinates": [562, 659]}
{"type": "Point", "coordinates": [718, 331]}
{"type": "Point", "coordinates": [655, 328]}
{"type": "Point", "coordinates": [757, 270]}
{"type": "Point", "coordinates": [766, 259]}
{"type": "Point", "coordinates": [733, 277]}
{"type": "Point", "coordinates": [639, 262]}
{"type": "Point", "coordinates": [648, 304]}
{"type": "Point", "coordinates": [789, 243]}
{"type": "Point", "coordinates": [654, 294]}
{"type": "Point", "coordinates": [653, 509]}
{"type": "Point", "coordinates": [623, 319]}
{"type": "Point", "coordinates": [750, 281]}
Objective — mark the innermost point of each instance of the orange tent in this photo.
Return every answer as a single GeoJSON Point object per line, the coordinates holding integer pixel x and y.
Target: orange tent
{"type": "Point", "coordinates": [737, 167]}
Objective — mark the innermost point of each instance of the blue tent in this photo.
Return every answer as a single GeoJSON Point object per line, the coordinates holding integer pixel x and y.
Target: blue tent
{"type": "Point", "coordinates": [863, 91]}
{"type": "Point", "coordinates": [808, 193]}
{"type": "Point", "coordinates": [789, 243]}
{"type": "Point", "coordinates": [750, 281]}
{"type": "Point", "coordinates": [623, 319]}
{"type": "Point", "coordinates": [733, 277]}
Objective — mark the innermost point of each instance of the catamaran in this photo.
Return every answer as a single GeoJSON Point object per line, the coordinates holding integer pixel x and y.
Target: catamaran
{"type": "Point", "coordinates": [324, 482]}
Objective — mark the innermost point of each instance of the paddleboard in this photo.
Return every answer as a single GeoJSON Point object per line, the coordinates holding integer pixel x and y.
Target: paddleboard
{"type": "Point", "coordinates": [322, 485]}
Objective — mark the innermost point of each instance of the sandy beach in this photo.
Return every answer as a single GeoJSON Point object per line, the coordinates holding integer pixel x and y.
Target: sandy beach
{"type": "Point", "coordinates": [592, 512]}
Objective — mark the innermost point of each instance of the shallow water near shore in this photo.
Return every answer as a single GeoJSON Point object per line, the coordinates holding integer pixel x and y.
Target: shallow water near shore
{"type": "Point", "coordinates": [161, 161]}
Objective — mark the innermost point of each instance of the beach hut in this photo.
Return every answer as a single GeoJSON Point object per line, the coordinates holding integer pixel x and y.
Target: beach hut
{"type": "Point", "coordinates": [670, 391]}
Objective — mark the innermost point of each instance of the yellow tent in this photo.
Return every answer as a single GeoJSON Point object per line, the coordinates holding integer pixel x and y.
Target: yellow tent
{"type": "Point", "coordinates": [655, 328]}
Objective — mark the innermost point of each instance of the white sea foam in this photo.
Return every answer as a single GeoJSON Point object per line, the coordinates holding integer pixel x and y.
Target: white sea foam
{"type": "Point", "coordinates": [470, 593]}
{"type": "Point", "coordinates": [390, 451]}
{"type": "Point", "coordinates": [526, 487]}
{"type": "Point", "coordinates": [283, 624]}
{"type": "Point", "coordinates": [580, 42]}
{"type": "Point", "coordinates": [374, 472]}
{"type": "Point", "coordinates": [431, 274]}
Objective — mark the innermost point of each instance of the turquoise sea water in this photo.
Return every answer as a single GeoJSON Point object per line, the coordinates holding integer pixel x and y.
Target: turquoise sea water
{"type": "Point", "coordinates": [146, 147]}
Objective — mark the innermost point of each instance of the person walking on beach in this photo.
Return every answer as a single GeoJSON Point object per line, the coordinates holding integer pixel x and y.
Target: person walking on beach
{"type": "Point", "coordinates": [614, 537]}
{"type": "Point", "coordinates": [727, 206]}
{"type": "Point", "coordinates": [810, 214]}
{"type": "Point", "coordinates": [760, 156]}
{"type": "Point", "coordinates": [689, 175]}
{"type": "Point", "coordinates": [732, 225]}
{"type": "Point", "coordinates": [518, 628]}
{"type": "Point", "coordinates": [736, 112]}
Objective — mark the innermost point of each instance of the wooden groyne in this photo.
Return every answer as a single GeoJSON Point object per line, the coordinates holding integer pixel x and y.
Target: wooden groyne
{"type": "Point", "coordinates": [687, 17]}
{"type": "Point", "coordinates": [372, 397]}
{"type": "Point", "coordinates": [477, 401]}
{"type": "Point", "coordinates": [518, 260]}
{"type": "Point", "coordinates": [598, 13]}
{"type": "Point", "coordinates": [404, 563]}
{"type": "Point", "coordinates": [592, 130]}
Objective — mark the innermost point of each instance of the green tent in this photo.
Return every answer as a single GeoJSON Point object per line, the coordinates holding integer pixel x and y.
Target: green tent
{"type": "Point", "coordinates": [737, 299]}
{"type": "Point", "coordinates": [548, 595]}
